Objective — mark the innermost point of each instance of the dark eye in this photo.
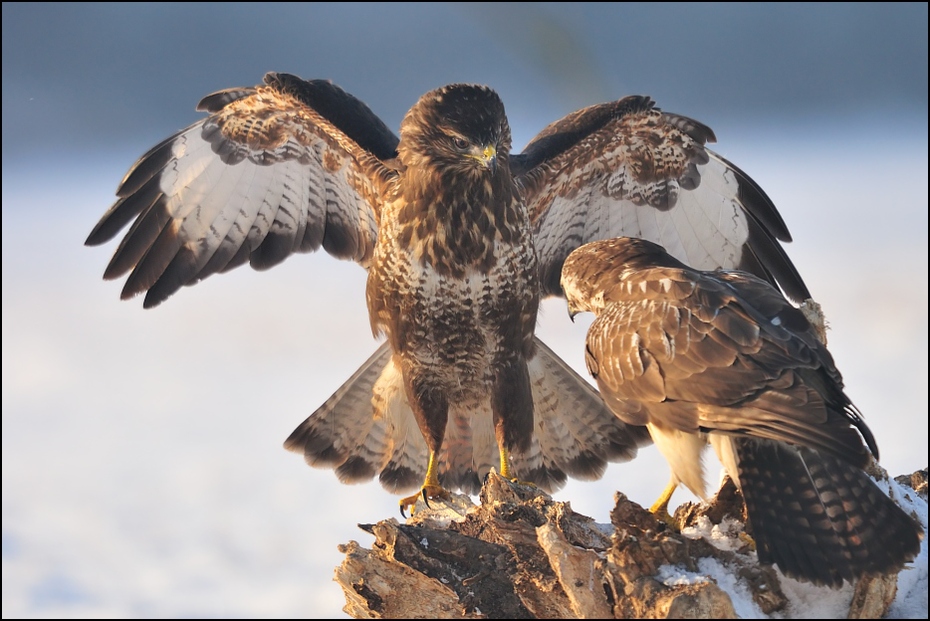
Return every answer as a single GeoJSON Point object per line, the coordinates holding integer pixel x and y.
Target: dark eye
{"type": "Point", "coordinates": [460, 143]}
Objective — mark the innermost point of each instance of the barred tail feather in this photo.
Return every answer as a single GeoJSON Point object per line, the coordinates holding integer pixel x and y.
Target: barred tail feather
{"type": "Point", "coordinates": [368, 429]}
{"type": "Point", "coordinates": [404, 457]}
{"type": "Point", "coordinates": [818, 517]}
{"type": "Point", "coordinates": [330, 436]}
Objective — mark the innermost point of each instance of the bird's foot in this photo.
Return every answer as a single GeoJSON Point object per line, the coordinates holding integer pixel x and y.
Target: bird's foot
{"type": "Point", "coordinates": [426, 493]}
{"type": "Point", "coordinates": [522, 482]}
{"type": "Point", "coordinates": [660, 511]}
{"type": "Point", "coordinates": [513, 480]}
{"type": "Point", "coordinates": [660, 507]}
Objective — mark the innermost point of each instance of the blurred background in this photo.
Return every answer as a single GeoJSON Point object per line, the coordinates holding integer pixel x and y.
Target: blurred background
{"type": "Point", "coordinates": [143, 474]}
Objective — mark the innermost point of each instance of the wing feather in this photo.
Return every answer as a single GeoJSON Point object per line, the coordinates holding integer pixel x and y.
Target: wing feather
{"type": "Point", "coordinates": [276, 169]}
{"type": "Point", "coordinates": [628, 169]}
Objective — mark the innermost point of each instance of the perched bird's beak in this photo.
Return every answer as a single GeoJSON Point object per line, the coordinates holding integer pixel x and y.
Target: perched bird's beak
{"type": "Point", "coordinates": [572, 311]}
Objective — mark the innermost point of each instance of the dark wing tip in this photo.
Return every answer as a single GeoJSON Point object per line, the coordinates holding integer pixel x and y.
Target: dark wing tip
{"type": "Point", "coordinates": [766, 258]}
{"type": "Point", "coordinates": [758, 203]}
{"type": "Point", "coordinates": [136, 192]}
{"type": "Point", "coordinates": [99, 236]}
{"type": "Point", "coordinates": [214, 102]}
{"type": "Point", "coordinates": [348, 113]}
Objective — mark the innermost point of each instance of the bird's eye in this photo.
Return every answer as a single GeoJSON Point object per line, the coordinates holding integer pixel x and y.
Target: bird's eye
{"type": "Point", "coordinates": [460, 143]}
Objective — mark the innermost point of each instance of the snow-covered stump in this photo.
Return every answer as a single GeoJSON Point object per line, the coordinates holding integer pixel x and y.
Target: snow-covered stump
{"type": "Point", "coordinates": [519, 554]}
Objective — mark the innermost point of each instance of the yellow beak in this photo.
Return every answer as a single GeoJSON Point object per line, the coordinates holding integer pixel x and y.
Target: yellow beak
{"type": "Point", "coordinates": [488, 157]}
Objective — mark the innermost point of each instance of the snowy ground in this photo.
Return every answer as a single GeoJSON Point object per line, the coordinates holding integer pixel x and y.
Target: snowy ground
{"type": "Point", "coordinates": [806, 601]}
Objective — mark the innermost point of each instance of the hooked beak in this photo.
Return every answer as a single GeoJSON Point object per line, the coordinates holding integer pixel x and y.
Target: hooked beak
{"type": "Point", "coordinates": [488, 157]}
{"type": "Point", "coordinates": [572, 311]}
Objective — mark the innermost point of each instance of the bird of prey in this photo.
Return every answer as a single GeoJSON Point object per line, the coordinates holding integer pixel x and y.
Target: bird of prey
{"type": "Point", "coordinates": [722, 356]}
{"type": "Point", "coordinates": [460, 238]}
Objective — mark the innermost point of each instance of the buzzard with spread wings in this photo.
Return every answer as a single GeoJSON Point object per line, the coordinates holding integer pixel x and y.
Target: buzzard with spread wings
{"type": "Point", "coordinates": [460, 238]}
{"type": "Point", "coordinates": [722, 357]}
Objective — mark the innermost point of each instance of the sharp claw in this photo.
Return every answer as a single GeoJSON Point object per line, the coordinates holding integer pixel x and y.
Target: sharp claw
{"type": "Point", "coordinates": [425, 498]}
{"type": "Point", "coordinates": [404, 515]}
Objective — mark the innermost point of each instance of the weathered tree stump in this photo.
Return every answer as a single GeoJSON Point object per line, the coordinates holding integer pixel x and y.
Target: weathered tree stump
{"type": "Point", "coordinates": [519, 554]}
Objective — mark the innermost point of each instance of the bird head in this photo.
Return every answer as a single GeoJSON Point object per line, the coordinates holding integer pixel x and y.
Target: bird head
{"type": "Point", "coordinates": [460, 128]}
{"type": "Point", "coordinates": [591, 272]}
{"type": "Point", "coordinates": [579, 289]}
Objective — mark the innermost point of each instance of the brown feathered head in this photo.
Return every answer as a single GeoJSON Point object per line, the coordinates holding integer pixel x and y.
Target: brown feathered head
{"type": "Point", "coordinates": [460, 128]}
{"type": "Point", "coordinates": [590, 271]}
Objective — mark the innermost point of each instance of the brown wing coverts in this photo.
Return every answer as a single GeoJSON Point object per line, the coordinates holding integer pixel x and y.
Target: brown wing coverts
{"type": "Point", "coordinates": [712, 351]}
{"type": "Point", "coordinates": [628, 169]}
{"type": "Point", "coordinates": [264, 176]}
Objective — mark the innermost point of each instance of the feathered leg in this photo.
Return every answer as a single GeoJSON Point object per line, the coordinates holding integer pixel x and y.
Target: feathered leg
{"type": "Point", "coordinates": [431, 410]}
{"type": "Point", "coordinates": [512, 406]}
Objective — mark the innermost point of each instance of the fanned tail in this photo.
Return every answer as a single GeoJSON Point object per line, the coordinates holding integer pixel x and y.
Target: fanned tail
{"type": "Point", "coordinates": [334, 434]}
{"type": "Point", "coordinates": [368, 429]}
{"type": "Point", "coordinates": [818, 517]}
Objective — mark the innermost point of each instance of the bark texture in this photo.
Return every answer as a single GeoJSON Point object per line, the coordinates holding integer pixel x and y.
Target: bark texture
{"type": "Point", "coordinates": [520, 555]}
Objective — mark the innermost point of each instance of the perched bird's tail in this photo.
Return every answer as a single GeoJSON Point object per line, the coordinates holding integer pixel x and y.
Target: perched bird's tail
{"type": "Point", "coordinates": [367, 429]}
{"type": "Point", "coordinates": [818, 517]}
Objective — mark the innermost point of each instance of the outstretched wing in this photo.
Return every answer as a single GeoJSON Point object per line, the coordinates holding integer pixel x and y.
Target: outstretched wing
{"type": "Point", "coordinates": [628, 169]}
{"type": "Point", "coordinates": [275, 169]}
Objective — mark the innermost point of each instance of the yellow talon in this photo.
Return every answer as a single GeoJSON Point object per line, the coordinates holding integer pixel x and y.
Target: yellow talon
{"type": "Point", "coordinates": [660, 507]}
{"type": "Point", "coordinates": [431, 489]}
{"type": "Point", "coordinates": [505, 470]}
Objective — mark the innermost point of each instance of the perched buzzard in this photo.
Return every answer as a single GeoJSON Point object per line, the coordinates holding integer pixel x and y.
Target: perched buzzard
{"type": "Point", "coordinates": [723, 356]}
{"type": "Point", "coordinates": [460, 239]}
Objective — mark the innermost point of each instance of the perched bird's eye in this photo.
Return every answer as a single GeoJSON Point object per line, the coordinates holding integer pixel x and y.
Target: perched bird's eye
{"type": "Point", "coordinates": [460, 143]}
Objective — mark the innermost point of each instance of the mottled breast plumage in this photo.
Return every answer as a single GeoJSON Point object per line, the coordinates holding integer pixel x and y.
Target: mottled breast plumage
{"type": "Point", "coordinates": [459, 236]}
